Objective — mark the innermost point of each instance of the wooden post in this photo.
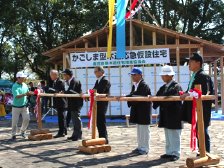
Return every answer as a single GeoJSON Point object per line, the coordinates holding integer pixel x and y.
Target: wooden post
{"type": "Point", "coordinates": [94, 114]}
{"type": "Point", "coordinates": [200, 124]}
{"type": "Point", "coordinates": [64, 61]}
{"type": "Point", "coordinates": [210, 71]}
{"type": "Point", "coordinates": [222, 84]}
{"type": "Point", "coordinates": [178, 59]}
{"type": "Point", "coordinates": [56, 67]}
{"type": "Point", "coordinates": [39, 115]}
{"type": "Point", "coordinates": [216, 86]}
{"type": "Point", "coordinates": [142, 36]}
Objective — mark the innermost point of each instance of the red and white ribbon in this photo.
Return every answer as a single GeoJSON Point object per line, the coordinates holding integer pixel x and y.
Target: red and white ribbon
{"type": "Point", "coordinates": [136, 10]}
{"type": "Point", "coordinates": [91, 94]}
{"type": "Point", "coordinates": [37, 92]}
{"type": "Point", "coordinates": [132, 7]}
{"type": "Point", "coordinates": [196, 94]}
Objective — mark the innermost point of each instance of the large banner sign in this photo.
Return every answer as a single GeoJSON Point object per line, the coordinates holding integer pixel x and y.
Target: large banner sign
{"type": "Point", "coordinates": [136, 57]}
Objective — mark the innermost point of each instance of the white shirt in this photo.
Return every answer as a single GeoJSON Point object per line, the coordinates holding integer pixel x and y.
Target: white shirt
{"type": "Point", "coordinates": [99, 79]}
{"type": "Point", "coordinates": [136, 85]}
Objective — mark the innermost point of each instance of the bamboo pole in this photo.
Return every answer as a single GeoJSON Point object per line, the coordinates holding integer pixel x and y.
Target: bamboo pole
{"type": "Point", "coordinates": [39, 115]}
{"type": "Point", "coordinates": [70, 95]}
{"type": "Point", "coordinates": [153, 98]}
{"type": "Point", "coordinates": [94, 114]}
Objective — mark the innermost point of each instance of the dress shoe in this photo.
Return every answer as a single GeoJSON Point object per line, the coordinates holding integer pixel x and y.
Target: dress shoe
{"type": "Point", "coordinates": [136, 150]}
{"type": "Point", "coordinates": [174, 158]}
{"type": "Point", "coordinates": [166, 156]}
{"type": "Point", "coordinates": [142, 152]}
{"type": "Point", "coordinates": [70, 138]}
{"type": "Point", "coordinates": [76, 139]}
{"type": "Point", "coordinates": [13, 137]}
{"type": "Point", "coordinates": [59, 135]}
{"type": "Point", "coordinates": [66, 132]}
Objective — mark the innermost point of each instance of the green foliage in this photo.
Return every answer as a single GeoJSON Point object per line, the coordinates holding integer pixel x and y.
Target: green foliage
{"type": "Point", "coordinates": [30, 27]}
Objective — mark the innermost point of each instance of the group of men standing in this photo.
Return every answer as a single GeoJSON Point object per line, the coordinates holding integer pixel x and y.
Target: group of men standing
{"type": "Point", "coordinates": [172, 113]}
{"type": "Point", "coordinates": [74, 105]}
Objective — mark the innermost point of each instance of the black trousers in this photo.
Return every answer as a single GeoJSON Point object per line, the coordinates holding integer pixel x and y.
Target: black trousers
{"type": "Point", "coordinates": [68, 119]}
{"type": "Point", "coordinates": [62, 121]}
{"type": "Point", "coordinates": [101, 126]}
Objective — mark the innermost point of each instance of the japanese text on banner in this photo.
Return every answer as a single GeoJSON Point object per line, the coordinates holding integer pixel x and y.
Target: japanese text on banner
{"type": "Point", "coordinates": [136, 57]}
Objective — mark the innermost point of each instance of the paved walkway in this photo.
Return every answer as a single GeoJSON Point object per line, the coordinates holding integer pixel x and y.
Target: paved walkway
{"type": "Point", "coordinates": [24, 153]}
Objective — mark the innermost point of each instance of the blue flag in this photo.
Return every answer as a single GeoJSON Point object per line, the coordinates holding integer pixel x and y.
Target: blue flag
{"type": "Point", "coordinates": [120, 29]}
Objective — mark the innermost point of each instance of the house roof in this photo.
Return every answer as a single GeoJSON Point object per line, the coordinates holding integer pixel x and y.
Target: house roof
{"type": "Point", "coordinates": [164, 38]}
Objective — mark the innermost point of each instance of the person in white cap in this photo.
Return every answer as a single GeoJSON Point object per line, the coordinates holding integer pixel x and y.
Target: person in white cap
{"type": "Point", "coordinates": [20, 92]}
{"type": "Point", "coordinates": [170, 114]}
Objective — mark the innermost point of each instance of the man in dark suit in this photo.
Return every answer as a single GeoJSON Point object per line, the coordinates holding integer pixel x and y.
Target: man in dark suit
{"type": "Point", "coordinates": [170, 114]}
{"type": "Point", "coordinates": [102, 86]}
{"type": "Point", "coordinates": [199, 77]}
{"type": "Point", "coordinates": [74, 104]}
{"type": "Point", "coordinates": [60, 103]}
{"type": "Point", "coordinates": [141, 112]}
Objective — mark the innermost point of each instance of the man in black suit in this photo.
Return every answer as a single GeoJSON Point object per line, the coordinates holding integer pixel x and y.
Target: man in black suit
{"type": "Point", "coordinates": [60, 103]}
{"type": "Point", "coordinates": [74, 104]}
{"type": "Point", "coordinates": [199, 77]}
{"type": "Point", "coordinates": [102, 86]}
{"type": "Point", "coordinates": [141, 112]}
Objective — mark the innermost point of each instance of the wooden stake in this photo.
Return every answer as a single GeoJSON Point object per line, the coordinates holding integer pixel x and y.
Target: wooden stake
{"type": "Point", "coordinates": [39, 115]}
{"type": "Point", "coordinates": [94, 114]}
{"type": "Point", "coordinates": [35, 132]}
{"type": "Point", "coordinates": [202, 161]}
{"type": "Point", "coordinates": [92, 142]}
{"type": "Point", "coordinates": [88, 149]}
{"type": "Point", "coordinates": [100, 148]}
{"type": "Point", "coordinates": [200, 124]}
{"type": "Point", "coordinates": [107, 148]}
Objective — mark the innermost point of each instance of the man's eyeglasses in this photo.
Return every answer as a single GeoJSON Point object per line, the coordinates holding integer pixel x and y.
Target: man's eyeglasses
{"type": "Point", "coordinates": [134, 74]}
{"type": "Point", "coordinates": [96, 71]}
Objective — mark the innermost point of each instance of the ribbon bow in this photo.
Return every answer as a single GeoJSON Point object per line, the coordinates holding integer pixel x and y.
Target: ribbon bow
{"type": "Point", "coordinates": [196, 94]}
{"type": "Point", "coordinates": [37, 92]}
{"type": "Point", "coordinates": [91, 93]}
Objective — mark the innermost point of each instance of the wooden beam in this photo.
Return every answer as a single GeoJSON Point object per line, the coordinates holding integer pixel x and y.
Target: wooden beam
{"type": "Point", "coordinates": [222, 85]}
{"type": "Point", "coordinates": [142, 35]}
{"type": "Point", "coordinates": [172, 46]}
{"type": "Point", "coordinates": [165, 39]}
{"type": "Point", "coordinates": [89, 43]}
{"type": "Point", "coordinates": [68, 60]}
{"type": "Point", "coordinates": [56, 67]}
{"type": "Point", "coordinates": [178, 59]}
{"type": "Point", "coordinates": [216, 86]}
{"type": "Point", "coordinates": [64, 61]}
{"type": "Point", "coordinates": [97, 41]}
